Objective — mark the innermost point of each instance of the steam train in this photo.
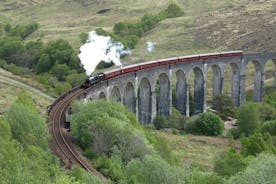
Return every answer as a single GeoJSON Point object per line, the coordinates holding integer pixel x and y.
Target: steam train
{"type": "Point", "coordinates": [94, 79]}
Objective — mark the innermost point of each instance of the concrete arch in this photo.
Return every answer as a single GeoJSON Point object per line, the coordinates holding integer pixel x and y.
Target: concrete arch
{"type": "Point", "coordinates": [217, 80]}
{"type": "Point", "coordinates": [163, 95]}
{"type": "Point", "coordinates": [129, 99]}
{"type": "Point", "coordinates": [144, 101]}
{"type": "Point", "coordinates": [259, 78]}
{"type": "Point", "coordinates": [181, 91]}
{"type": "Point", "coordinates": [199, 90]}
{"type": "Point", "coordinates": [102, 95]}
{"type": "Point", "coordinates": [235, 83]}
{"type": "Point", "coordinates": [115, 94]}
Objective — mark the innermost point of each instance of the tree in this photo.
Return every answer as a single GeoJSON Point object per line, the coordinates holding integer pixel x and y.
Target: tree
{"type": "Point", "coordinates": [224, 106]}
{"type": "Point", "coordinates": [60, 71]}
{"type": "Point", "coordinates": [248, 118]}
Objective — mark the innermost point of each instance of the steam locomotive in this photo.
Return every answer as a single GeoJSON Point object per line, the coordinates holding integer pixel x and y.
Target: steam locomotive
{"type": "Point", "coordinates": [93, 79]}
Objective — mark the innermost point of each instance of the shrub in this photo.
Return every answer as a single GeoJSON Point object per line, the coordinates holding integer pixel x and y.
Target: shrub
{"type": "Point", "coordinates": [248, 118]}
{"type": "Point", "coordinates": [110, 167]}
{"type": "Point", "coordinates": [208, 124]}
{"type": "Point", "coordinates": [256, 144]}
{"type": "Point", "coordinates": [177, 120]}
{"type": "Point", "coordinates": [224, 106]}
{"type": "Point", "coordinates": [267, 112]}
{"type": "Point", "coordinates": [104, 64]}
{"type": "Point", "coordinates": [160, 122]}
{"type": "Point", "coordinates": [153, 170]}
{"type": "Point", "coordinates": [172, 11]}
{"type": "Point", "coordinates": [229, 163]}
{"type": "Point", "coordinates": [189, 126]}
{"type": "Point", "coordinates": [104, 126]}
{"type": "Point", "coordinates": [268, 127]}
{"type": "Point", "coordinates": [27, 126]}
{"type": "Point", "coordinates": [260, 170]}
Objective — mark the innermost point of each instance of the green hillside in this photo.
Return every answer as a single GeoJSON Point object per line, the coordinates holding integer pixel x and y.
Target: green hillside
{"type": "Point", "coordinates": [209, 25]}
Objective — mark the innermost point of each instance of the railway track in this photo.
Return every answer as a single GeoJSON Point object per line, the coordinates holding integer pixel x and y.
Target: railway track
{"type": "Point", "coordinates": [62, 144]}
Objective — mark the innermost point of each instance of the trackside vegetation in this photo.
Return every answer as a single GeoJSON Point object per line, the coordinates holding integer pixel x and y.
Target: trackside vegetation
{"type": "Point", "coordinates": [24, 152]}
{"type": "Point", "coordinates": [126, 152]}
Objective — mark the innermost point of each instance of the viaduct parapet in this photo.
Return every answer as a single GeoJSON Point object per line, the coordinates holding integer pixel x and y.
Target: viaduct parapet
{"type": "Point", "coordinates": [148, 92]}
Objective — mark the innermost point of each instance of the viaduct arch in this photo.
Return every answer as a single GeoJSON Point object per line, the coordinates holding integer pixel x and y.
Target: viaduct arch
{"type": "Point", "coordinates": [148, 92]}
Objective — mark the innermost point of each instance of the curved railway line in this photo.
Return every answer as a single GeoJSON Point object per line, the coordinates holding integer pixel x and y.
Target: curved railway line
{"type": "Point", "coordinates": [62, 144]}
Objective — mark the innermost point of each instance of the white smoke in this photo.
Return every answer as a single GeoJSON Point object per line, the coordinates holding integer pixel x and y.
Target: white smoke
{"type": "Point", "coordinates": [100, 48]}
{"type": "Point", "coordinates": [150, 46]}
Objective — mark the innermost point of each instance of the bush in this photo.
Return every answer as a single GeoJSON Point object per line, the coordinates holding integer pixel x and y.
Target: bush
{"type": "Point", "coordinates": [189, 126]}
{"type": "Point", "coordinates": [268, 127]}
{"type": "Point", "coordinates": [172, 11]}
{"type": "Point", "coordinates": [229, 163]}
{"type": "Point", "coordinates": [104, 126]}
{"type": "Point", "coordinates": [177, 120]}
{"type": "Point", "coordinates": [153, 170]}
{"type": "Point", "coordinates": [256, 144]}
{"type": "Point", "coordinates": [160, 122]}
{"type": "Point", "coordinates": [248, 118]}
{"type": "Point", "coordinates": [224, 106]}
{"type": "Point", "coordinates": [260, 170]}
{"type": "Point", "coordinates": [61, 88]}
{"type": "Point", "coordinates": [267, 112]}
{"type": "Point", "coordinates": [24, 119]}
{"type": "Point", "coordinates": [104, 64]}
{"type": "Point", "coordinates": [208, 124]}
{"type": "Point", "coordinates": [110, 167]}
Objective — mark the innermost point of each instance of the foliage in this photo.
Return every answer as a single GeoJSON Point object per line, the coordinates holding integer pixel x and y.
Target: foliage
{"type": "Point", "coordinates": [256, 144]}
{"type": "Point", "coordinates": [129, 33]}
{"type": "Point", "coordinates": [83, 37]}
{"type": "Point", "coordinates": [271, 99]}
{"type": "Point", "coordinates": [75, 79]}
{"type": "Point", "coordinates": [208, 124]}
{"type": "Point", "coordinates": [224, 106]}
{"type": "Point", "coordinates": [267, 112]}
{"type": "Point", "coordinates": [229, 163]}
{"type": "Point", "coordinates": [172, 11]}
{"type": "Point", "coordinates": [268, 127]}
{"type": "Point", "coordinates": [60, 71]}
{"type": "Point", "coordinates": [110, 167]}
{"type": "Point", "coordinates": [248, 118]}
{"type": "Point", "coordinates": [152, 170]}
{"type": "Point", "coordinates": [23, 31]}
{"type": "Point", "coordinates": [27, 159]}
{"type": "Point", "coordinates": [107, 126]}
{"type": "Point", "coordinates": [27, 126]}
{"type": "Point", "coordinates": [83, 176]}
{"type": "Point", "coordinates": [177, 120]}
{"type": "Point", "coordinates": [103, 65]}
{"type": "Point", "coordinates": [61, 88]}
{"type": "Point", "coordinates": [260, 170]}
{"type": "Point", "coordinates": [189, 126]}
{"type": "Point", "coordinates": [160, 122]}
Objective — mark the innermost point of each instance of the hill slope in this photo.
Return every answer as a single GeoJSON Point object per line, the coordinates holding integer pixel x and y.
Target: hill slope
{"type": "Point", "coordinates": [209, 25]}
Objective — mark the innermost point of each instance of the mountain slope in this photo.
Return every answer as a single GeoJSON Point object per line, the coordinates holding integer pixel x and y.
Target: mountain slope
{"type": "Point", "coordinates": [207, 26]}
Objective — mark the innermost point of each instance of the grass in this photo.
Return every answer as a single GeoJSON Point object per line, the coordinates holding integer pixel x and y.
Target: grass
{"type": "Point", "coordinates": [212, 25]}
{"type": "Point", "coordinates": [200, 150]}
{"type": "Point", "coordinates": [9, 92]}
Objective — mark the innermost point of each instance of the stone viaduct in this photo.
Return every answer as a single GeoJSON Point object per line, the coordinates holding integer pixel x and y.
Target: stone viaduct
{"type": "Point", "coordinates": [148, 92]}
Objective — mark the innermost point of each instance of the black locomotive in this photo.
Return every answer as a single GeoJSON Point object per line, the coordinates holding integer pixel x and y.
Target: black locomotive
{"type": "Point", "coordinates": [93, 79]}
